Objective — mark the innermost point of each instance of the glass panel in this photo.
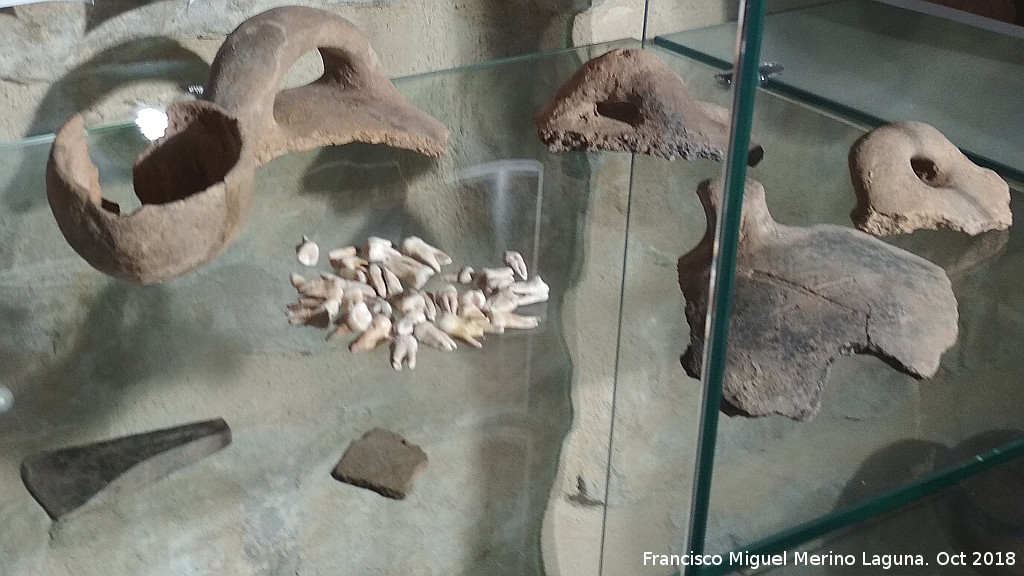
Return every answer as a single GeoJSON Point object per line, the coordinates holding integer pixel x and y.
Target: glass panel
{"type": "Point", "coordinates": [972, 528]}
{"type": "Point", "coordinates": [884, 63]}
{"type": "Point", "coordinates": [88, 358]}
{"type": "Point", "coordinates": [875, 420]}
{"type": "Point", "coordinates": [657, 406]}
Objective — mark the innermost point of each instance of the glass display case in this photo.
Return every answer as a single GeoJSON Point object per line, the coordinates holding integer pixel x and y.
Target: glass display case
{"type": "Point", "coordinates": [883, 438]}
{"type": "Point", "coordinates": [586, 444]}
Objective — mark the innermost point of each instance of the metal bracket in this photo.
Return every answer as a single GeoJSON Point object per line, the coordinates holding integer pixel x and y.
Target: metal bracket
{"type": "Point", "coordinates": [764, 72]}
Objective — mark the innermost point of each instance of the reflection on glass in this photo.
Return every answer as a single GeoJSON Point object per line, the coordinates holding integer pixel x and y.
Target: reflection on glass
{"type": "Point", "coordinates": [885, 63]}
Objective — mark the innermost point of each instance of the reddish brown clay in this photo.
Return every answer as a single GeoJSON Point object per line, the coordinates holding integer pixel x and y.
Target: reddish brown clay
{"type": "Point", "coordinates": [195, 184]}
{"type": "Point", "coordinates": [628, 100]}
{"type": "Point", "coordinates": [352, 101]}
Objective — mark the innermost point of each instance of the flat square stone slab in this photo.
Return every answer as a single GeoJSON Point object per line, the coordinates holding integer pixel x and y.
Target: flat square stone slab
{"type": "Point", "coordinates": [381, 461]}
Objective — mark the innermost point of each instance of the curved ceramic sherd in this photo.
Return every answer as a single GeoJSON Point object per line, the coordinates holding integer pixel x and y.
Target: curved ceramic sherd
{"type": "Point", "coordinates": [804, 296]}
{"type": "Point", "coordinates": [195, 184]}
{"type": "Point", "coordinates": [628, 100]}
{"type": "Point", "coordinates": [353, 101]}
{"type": "Point", "coordinates": [908, 176]}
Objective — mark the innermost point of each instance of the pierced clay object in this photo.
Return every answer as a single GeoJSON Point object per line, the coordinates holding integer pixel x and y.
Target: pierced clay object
{"type": "Point", "coordinates": [353, 101]}
{"type": "Point", "coordinates": [804, 296]}
{"type": "Point", "coordinates": [195, 184]}
{"type": "Point", "coordinates": [628, 100]}
{"type": "Point", "coordinates": [908, 176]}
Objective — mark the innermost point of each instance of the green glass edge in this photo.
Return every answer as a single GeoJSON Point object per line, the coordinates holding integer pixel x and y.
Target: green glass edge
{"type": "Point", "coordinates": [723, 266]}
{"type": "Point", "coordinates": [874, 507]}
{"type": "Point", "coordinates": [871, 507]}
{"type": "Point", "coordinates": [843, 112]}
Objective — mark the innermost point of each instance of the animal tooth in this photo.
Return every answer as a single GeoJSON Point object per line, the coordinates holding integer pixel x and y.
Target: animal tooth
{"type": "Point", "coordinates": [465, 275]}
{"type": "Point", "coordinates": [412, 301]}
{"type": "Point", "coordinates": [514, 260]}
{"type": "Point", "coordinates": [339, 253]}
{"type": "Point", "coordinates": [375, 334]}
{"type": "Point", "coordinates": [377, 280]}
{"type": "Point", "coordinates": [415, 247]}
{"type": "Point", "coordinates": [531, 291]}
{"type": "Point", "coordinates": [512, 320]}
{"type": "Point", "coordinates": [383, 307]}
{"type": "Point", "coordinates": [307, 252]}
{"type": "Point", "coordinates": [502, 301]}
{"type": "Point", "coordinates": [429, 309]}
{"type": "Point", "coordinates": [494, 279]}
{"type": "Point", "coordinates": [409, 270]}
{"type": "Point", "coordinates": [465, 329]}
{"type": "Point", "coordinates": [447, 299]}
{"type": "Point", "coordinates": [472, 299]}
{"type": "Point", "coordinates": [394, 285]}
{"type": "Point", "coordinates": [359, 317]}
{"type": "Point", "coordinates": [317, 316]}
{"type": "Point", "coordinates": [379, 250]}
{"type": "Point", "coordinates": [347, 263]}
{"type": "Point", "coordinates": [403, 350]}
{"type": "Point", "coordinates": [429, 334]}
{"type": "Point", "coordinates": [406, 324]}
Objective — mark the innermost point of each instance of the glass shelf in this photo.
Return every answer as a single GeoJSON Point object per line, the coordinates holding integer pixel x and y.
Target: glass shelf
{"type": "Point", "coordinates": [881, 63]}
{"type": "Point", "coordinates": [88, 358]}
{"type": "Point", "coordinates": [971, 529]}
{"type": "Point", "coordinates": [778, 482]}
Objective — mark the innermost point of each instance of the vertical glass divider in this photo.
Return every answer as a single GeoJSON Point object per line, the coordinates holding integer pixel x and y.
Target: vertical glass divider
{"type": "Point", "coordinates": [723, 266]}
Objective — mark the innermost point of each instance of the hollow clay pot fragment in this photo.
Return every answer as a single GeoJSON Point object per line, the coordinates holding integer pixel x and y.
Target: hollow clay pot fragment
{"type": "Point", "coordinates": [804, 296]}
{"type": "Point", "coordinates": [628, 100]}
{"type": "Point", "coordinates": [352, 101]}
{"type": "Point", "coordinates": [195, 184]}
{"type": "Point", "coordinates": [908, 176]}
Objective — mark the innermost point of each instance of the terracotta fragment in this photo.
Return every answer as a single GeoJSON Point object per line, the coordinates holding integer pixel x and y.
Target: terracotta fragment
{"type": "Point", "coordinates": [352, 101]}
{"type": "Point", "coordinates": [804, 296]}
{"type": "Point", "coordinates": [195, 185]}
{"type": "Point", "coordinates": [381, 461]}
{"type": "Point", "coordinates": [628, 100]}
{"type": "Point", "coordinates": [908, 176]}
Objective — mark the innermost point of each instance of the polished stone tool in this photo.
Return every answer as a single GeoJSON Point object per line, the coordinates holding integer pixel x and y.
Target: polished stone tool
{"type": "Point", "coordinates": [66, 479]}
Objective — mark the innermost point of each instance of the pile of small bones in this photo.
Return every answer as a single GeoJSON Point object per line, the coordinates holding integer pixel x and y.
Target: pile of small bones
{"type": "Point", "coordinates": [377, 293]}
